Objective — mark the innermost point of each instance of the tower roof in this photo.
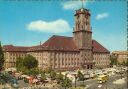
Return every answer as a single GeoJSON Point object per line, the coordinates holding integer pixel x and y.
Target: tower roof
{"type": "Point", "coordinates": [82, 11]}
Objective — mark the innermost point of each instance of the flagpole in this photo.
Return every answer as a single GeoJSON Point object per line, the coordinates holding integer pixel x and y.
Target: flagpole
{"type": "Point", "coordinates": [82, 3]}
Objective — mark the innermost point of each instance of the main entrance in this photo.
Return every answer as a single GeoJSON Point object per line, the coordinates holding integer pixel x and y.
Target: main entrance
{"type": "Point", "coordinates": [88, 65]}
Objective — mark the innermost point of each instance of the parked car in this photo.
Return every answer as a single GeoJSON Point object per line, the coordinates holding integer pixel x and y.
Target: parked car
{"type": "Point", "coordinates": [92, 75]}
{"type": "Point", "coordinates": [87, 76]}
{"type": "Point", "coordinates": [14, 83]}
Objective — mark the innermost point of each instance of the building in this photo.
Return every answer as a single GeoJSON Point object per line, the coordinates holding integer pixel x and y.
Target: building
{"type": "Point", "coordinates": [65, 53]}
{"type": "Point", "coordinates": [121, 56]}
{"type": "Point", "coordinates": [101, 55]}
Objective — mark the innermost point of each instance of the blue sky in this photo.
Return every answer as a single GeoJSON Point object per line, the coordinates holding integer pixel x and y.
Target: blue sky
{"type": "Point", "coordinates": [26, 23]}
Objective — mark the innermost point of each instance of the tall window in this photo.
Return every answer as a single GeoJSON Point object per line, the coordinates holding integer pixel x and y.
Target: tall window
{"type": "Point", "coordinates": [62, 61]}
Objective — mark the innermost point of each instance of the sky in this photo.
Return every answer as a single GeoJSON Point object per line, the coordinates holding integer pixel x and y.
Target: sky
{"type": "Point", "coordinates": [27, 22]}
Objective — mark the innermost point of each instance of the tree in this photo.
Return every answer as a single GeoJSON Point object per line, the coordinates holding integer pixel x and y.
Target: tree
{"type": "Point", "coordinates": [59, 78]}
{"type": "Point", "coordinates": [19, 64]}
{"type": "Point", "coordinates": [127, 62]}
{"type": "Point", "coordinates": [30, 62]}
{"type": "Point", "coordinates": [1, 57]}
{"type": "Point", "coordinates": [66, 82]}
{"type": "Point", "coordinates": [124, 63]}
{"type": "Point", "coordinates": [113, 60]}
{"type": "Point", "coordinates": [27, 65]}
{"type": "Point", "coordinates": [48, 70]}
{"type": "Point", "coordinates": [43, 76]}
{"type": "Point", "coordinates": [80, 76]}
{"type": "Point", "coordinates": [63, 80]}
{"type": "Point", "coordinates": [32, 71]}
{"type": "Point", "coordinates": [53, 75]}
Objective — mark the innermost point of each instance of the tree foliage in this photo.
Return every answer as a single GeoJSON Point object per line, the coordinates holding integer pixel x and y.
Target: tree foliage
{"type": "Point", "coordinates": [127, 62]}
{"type": "Point", "coordinates": [113, 60]}
{"type": "Point", "coordinates": [32, 71]}
{"type": "Point", "coordinates": [19, 64]}
{"type": "Point", "coordinates": [30, 62]}
{"type": "Point", "coordinates": [80, 76]}
{"type": "Point", "coordinates": [66, 82]}
{"type": "Point", "coordinates": [63, 80]}
{"type": "Point", "coordinates": [53, 75]}
{"type": "Point", "coordinates": [27, 65]}
{"type": "Point", "coordinates": [123, 63]}
{"type": "Point", "coordinates": [59, 78]}
{"type": "Point", "coordinates": [43, 76]}
{"type": "Point", "coordinates": [48, 70]}
{"type": "Point", "coordinates": [1, 57]}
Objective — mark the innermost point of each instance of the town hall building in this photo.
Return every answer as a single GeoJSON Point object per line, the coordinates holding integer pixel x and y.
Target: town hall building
{"type": "Point", "coordinates": [65, 53]}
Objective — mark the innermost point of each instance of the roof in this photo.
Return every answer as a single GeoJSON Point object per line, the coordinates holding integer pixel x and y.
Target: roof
{"type": "Point", "coordinates": [60, 43]}
{"type": "Point", "coordinates": [97, 47]}
{"type": "Point", "coordinates": [14, 48]}
{"type": "Point", "coordinates": [82, 11]}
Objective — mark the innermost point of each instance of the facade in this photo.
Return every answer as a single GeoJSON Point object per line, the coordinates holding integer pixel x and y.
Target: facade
{"type": "Point", "coordinates": [65, 53]}
{"type": "Point", "coordinates": [101, 57]}
{"type": "Point", "coordinates": [121, 56]}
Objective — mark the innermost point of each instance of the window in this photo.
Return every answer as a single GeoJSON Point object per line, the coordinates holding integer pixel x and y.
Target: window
{"type": "Point", "coordinates": [62, 61]}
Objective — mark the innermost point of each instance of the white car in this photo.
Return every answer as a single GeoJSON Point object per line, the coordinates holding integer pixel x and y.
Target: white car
{"type": "Point", "coordinates": [87, 76]}
{"type": "Point", "coordinates": [92, 75]}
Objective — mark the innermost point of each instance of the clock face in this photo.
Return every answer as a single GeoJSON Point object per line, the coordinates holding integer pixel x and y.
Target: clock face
{"type": "Point", "coordinates": [82, 9]}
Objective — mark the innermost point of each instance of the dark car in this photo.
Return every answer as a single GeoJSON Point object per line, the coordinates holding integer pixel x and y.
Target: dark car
{"type": "Point", "coordinates": [14, 83]}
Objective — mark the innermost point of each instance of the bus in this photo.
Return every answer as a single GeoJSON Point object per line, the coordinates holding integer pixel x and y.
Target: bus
{"type": "Point", "coordinates": [102, 78]}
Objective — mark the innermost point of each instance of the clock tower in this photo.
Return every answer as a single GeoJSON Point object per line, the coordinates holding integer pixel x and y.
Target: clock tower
{"type": "Point", "coordinates": [83, 36]}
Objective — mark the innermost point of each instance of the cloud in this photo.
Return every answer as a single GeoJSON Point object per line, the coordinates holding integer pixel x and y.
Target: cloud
{"type": "Point", "coordinates": [101, 16]}
{"type": "Point", "coordinates": [57, 26]}
{"type": "Point", "coordinates": [69, 5]}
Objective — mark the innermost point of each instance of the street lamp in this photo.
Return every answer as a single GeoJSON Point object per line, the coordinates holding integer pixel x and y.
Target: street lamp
{"type": "Point", "coordinates": [75, 79]}
{"type": "Point", "coordinates": [65, 79]}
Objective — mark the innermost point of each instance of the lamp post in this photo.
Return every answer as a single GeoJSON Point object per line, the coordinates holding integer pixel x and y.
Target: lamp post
{"type": "Point", "coordinates": [65, 79]}
{"type": "Point", "coordinates": [83, 79]}
{"type": "Point", "coordinates": [75, 79]}
{"type": "Point", "coordinates": [121, 71]}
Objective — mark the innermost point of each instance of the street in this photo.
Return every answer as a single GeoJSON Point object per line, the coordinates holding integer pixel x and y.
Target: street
{"type": "Point", "coordinates": [93, 84]}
